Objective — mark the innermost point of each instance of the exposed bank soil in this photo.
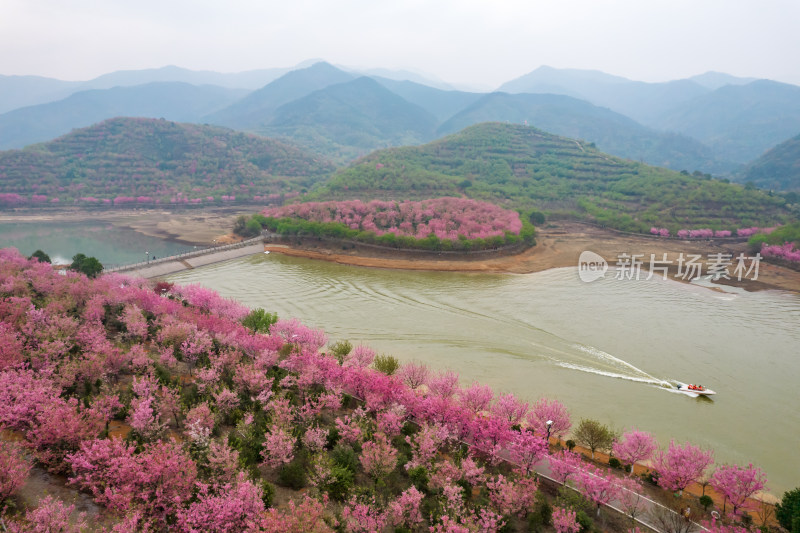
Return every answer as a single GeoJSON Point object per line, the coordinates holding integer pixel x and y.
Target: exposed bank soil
{"type": "Point", "coordinates": [558, 245]}
{"type": "Point", "coordinates": [193, 226]}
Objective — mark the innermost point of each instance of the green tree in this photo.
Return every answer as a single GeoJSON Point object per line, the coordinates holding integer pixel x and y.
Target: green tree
{"type": "Point", "coordinates": [41, 256]}
{"type": "Point", "coordinates": [247, 227]}
{"type": "Point", "coordinates": [788, 511]}
{"type": "Point", "coordinates": [259, 320]}
{"type": "Point", "coordinates": [594, 435]}
{"type": "Point", "coordinates": [386, 363]}
{"type": "Point", "coordinates": [89, 266]}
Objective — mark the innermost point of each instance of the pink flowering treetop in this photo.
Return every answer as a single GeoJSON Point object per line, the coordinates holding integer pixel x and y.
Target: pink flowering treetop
{"type": "Point", "coordinates": [476, 397]}
{"type": "Point", "coordinates": [446, 218]}
{"type": "Point", "coordinates": [51, 516]}
{"type": "Point", "coordinates": [414, 375]}
{"type": "Point", "coordinates": [378, 457]}
{"type": "Point", "coordinates": [278, 447]}
{"type": "Point", "coordinates": [564, 465]}
{"type": "Point", "coordinates": [223, 509]}
{"type": "Point", "coordinates": [546, 410]}
{"type": "Point", "coordinates": [597, 485]}
{"type": "Point", "coordinates": [738, 484]}
{"type": "Point", "coordinates": [634, 447]}
{"type": "Point", "coordinates": [507, 407]}
{"type": "Point", "coordinates": [680, 465]}
{"type": "Point", "coordinates": [14, 469]}
{"type": "Point", "coordinates": [527, 449]}
{"type": "Point", "coordinates": [565, 520]}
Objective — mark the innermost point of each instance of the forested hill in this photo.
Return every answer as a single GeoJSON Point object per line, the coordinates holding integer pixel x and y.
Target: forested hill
{"type": "Point", "coordinates": [778, 168]}
{"type": "Point", "coordinates": [150, 159]}
{"type": "Point", "coordinates": [527, 168]}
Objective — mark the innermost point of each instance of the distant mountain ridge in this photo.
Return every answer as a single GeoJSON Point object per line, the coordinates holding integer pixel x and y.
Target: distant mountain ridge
{"type": "Point", "coordinates": [777, 169]}
{"type": "Point", "coordinates": [180, 102]}
{"type": "Point", "coordinates": [255, 110]}
{"type": "Point", "coordinates": [639, 100]}
{"type": "Point", "coordinates": [351, 119]}
{"type": "Point", "coordinates": [612, 132]}
{"type": "Point", "coordinates": [739, 122]}
{"type": "Point", "coordinates": [712, 122]}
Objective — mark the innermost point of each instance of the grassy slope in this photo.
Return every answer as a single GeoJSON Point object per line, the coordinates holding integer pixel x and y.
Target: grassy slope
{"type": "Point", "coordinates": [527, 168]}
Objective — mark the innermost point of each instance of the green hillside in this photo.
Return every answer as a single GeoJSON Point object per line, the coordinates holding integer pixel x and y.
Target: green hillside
{"type": "Point", "coordinates": [778, 169]}
{"type": "Point", "coordinates": [526, 168]}
{"type": "Point", "coordinates": [351, 119]}
{"type": "Point", "coordinates": [612, 132]}
{"type": "Point", "coordinates": [158, 159]}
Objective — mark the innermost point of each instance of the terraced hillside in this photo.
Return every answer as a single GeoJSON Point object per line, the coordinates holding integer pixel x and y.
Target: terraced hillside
{"type": "Point", "coordinates": [526, 168]}
{"type": "Point", "coordinates": [157, 160]}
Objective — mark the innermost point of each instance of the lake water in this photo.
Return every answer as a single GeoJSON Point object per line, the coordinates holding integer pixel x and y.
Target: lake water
{"type": "Point", "coordinates": [62, 240]}
{"type": "Point", "coordinates": [604, 348]}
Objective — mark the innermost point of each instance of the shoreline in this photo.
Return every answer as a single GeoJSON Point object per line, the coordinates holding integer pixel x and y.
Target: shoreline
{"type": "Point", "coordinates": [558, 245]}
{"type": "Point", "coordinates": [196, 227]}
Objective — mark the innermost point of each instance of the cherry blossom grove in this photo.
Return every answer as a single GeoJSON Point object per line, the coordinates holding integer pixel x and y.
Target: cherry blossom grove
{"type": "Point", "coordinates": [447, 218]}
{"type": "Point", "coordinates": [214, 415]}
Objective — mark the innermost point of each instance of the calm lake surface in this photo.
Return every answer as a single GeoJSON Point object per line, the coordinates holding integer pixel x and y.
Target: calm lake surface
{"type": "Point", "coordinates": [62, 240]}
{"type": "Point", "coordinates": [603, 348]}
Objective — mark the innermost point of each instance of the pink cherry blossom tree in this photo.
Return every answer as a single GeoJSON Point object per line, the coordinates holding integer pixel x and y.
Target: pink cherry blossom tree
{"type": "Point", "coordinates": [414, 375]}
{"type": "Point", "coordinates": [553, 411]}
{"type": "Point", "coordinates": [527, 449]}
{"type": "Point", "coordinates": [278, 447]}
{"type": "Point", "coordinates": [634, 447]}
{"type": "Point", "coordinates": [51, 516]}
{"type": "Point", "coordinates": [14, 469]}
{"type": "Point", "coordinates": [223, 509]}
{"type": "Point", "coordinates": [507, 407]}
{"type": "Point", "coordinates": [564, 465]}
{"type": "Point", "coordinates": [476, 397]}
{"type": "Point", "coordinates": [738, 484]}
{"type": "Point", "coordinates": [565, 520]}
{"type": "Point", "coordinates": [680, 465]}
{"type": "Point", "coordinates": [598, 486]}
{"type": "Point", "coordinates": [378, 457]}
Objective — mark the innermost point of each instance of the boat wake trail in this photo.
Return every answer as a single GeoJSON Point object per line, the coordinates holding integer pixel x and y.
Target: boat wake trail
{"type": "Point", "coordinates": [594, 361]}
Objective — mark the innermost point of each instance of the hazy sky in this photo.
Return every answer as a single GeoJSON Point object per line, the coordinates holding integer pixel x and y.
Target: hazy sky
{"type": "Point", "coordinates": [475, 42]}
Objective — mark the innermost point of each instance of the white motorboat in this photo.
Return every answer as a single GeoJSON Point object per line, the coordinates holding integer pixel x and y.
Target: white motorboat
{"type": "Point", "coordinates": [695, 389]}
